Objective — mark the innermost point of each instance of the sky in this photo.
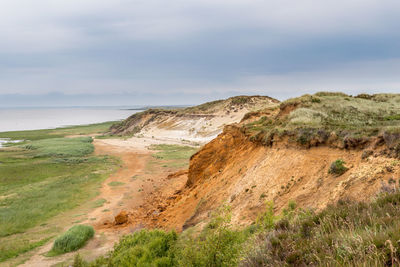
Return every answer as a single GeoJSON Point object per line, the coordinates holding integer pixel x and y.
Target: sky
{"type": "Point", "coordinates": [152, 52]}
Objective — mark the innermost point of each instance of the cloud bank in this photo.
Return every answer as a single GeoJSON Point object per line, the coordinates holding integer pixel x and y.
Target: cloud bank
{"type": "Point", "coordinates": [135, 47]}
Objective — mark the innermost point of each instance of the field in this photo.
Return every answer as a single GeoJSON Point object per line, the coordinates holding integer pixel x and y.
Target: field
{"type": "Point", "coordinates": [42, 178]}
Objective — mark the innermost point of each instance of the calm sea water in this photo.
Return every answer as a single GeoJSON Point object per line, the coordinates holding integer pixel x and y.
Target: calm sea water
{"type": "Point", "coordinates": [47, 118]}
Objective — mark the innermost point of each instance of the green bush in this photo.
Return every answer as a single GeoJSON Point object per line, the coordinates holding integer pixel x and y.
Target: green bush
{"type": "Point", "coordinates": [337, 167]}
{"type": "Point", "coordinates": [393, 117]}
{"type": "Point", "coordinates": [217, 245]}
{"type": "Point", "coordinates": [72, 240]}
{"type": "Point", "coordinates": [143, 248]}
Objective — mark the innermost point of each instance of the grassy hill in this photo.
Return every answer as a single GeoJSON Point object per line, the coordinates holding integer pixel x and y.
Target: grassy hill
{"type": "Point", "coordinates": [330, 118]}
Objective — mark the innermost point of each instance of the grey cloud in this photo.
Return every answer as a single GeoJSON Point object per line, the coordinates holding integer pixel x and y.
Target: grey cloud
{"type": "Point", "coordinates": [156, 47]}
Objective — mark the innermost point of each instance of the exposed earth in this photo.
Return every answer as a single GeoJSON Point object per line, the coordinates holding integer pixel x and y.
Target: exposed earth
{"type": "Point", "coordinates": [278, 154]}
{"type": "Point", "coordinates": [134, 193]}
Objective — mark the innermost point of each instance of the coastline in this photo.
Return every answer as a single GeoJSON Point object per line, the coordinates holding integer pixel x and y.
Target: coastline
{"type": "Point", "coordinates": [12, 120]}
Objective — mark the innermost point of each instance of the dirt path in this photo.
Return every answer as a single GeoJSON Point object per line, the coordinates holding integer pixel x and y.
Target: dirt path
{"type": "Point", "coordinates": [133, 188]}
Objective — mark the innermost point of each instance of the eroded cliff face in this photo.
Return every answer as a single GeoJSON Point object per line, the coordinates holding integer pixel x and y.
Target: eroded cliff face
{"type": "Point", "coordinates": [216, 156]}
{"type": "Point", "coordinates": [198, 124]}
{"type": "Point", "coordinates": [284, 153]}
{"type": "Point", "coordinates": [268, 156]}
{"type": "Point", "coordinates": [245, 174]}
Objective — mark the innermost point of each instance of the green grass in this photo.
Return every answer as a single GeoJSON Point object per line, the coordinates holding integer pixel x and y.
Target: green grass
{"type": "Point", "coordinates": [173, 152]}
{"type": "Point", "coordinates": [97, 128]}
{"type": "Point", "coordinates": [345, 234]}
{"type": "Point", "coordinates": [61, 147]}
{"type": "Point", "coordinates": [43, 178]}
{"type": "Point", "coordinates": [20, 247]}
{"type": "Point", "coordinates": [116, 183]}
{"type": "Point", "coordinates": [315, 117]}
{"type": "Point", "coordinates": [171, 156]}
{"type": "Point", "coordinates": [338, 167]}
{"type": "Point", "coordinates": [40, 190]}
{"type": "Point", "coordinates": [99, 203]}
{"type": "Point", "coordinates": [75, 238]}
{"type": "Point", "coordinates": [143, 248]}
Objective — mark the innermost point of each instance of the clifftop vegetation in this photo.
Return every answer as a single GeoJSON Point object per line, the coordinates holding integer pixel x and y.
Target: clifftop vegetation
{"type": "Point", "coordinates": [333, 118]}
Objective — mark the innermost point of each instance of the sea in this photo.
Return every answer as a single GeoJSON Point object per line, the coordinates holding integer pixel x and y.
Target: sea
{"type": "Point", "coordinates": [19, 119]}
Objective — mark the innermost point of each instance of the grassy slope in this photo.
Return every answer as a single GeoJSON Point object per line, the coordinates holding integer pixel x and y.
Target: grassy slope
{"type": "Point", "coordinates": [346, 234]}
{"type": "Point", "coordinates": [42, 178]}
{"type": "Point", "coordinates": [320, 114]}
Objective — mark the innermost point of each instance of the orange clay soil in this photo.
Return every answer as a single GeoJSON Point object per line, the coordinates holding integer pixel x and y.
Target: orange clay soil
{"type": "Point", "coordinates": [244, 174]}
{"type": "Point", "coordinates": [231, 169]}
{"type": "Point", "coordinates": [145, 192]}
{"type": "Point", "coordinates": [136, 191]}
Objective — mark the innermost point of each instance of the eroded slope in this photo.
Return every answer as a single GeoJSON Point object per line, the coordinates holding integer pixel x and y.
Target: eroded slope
{"type": "Point", "coordinates": [285, 153]}
{"type": "Point", "coordinates": [195, 124]}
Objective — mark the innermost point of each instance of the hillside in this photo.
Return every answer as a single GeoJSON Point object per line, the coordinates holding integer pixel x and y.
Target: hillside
{"type": "Point", "coordinates": [313, 181]}
{"type": "Point", "coordinates": [292, 183]}
{"type": "Point", "coordinates": [198, 124]}
{"type": "Point", "coordinates": [314, 150]}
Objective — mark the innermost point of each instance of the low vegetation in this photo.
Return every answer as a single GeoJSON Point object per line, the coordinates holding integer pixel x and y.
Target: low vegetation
{"type": "Point", "coordinates": [116, 183]}
{"type": "Point", "coordinates": [143, 248]}
{"type": "Point", "coordinates": [172, 156]}
{"type": "Point", "coordinates": [61, 147]}
{"type": "Point", "coordinates": [75, 238]}
{"type": "Point", "coordinates": [232, 102]}
{"type": "Point", "coordinates": [41, 179]}
{"type": "Point", "coordinates": [345, 234]}
{"type": "Point", "coordinates": [330, 116]}
{"type": "Point", "coordinates": [338, 167]}
{"type": "Point", "coordinates": [33, 135]}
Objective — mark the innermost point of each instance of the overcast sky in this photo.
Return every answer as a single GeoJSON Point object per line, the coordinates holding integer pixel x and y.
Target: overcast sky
{"type": "Point", "coordinates": [145, 50]}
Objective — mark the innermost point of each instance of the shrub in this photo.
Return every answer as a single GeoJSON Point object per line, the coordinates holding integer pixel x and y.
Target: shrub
{"type": "Point", "coordinates": [239, 100]}
{"type": "Point", "coordinates": [143, 248]}
{"type": "Point", "coordinates": [392, 117]}
{"type": "Point", "coordinates": [267, 219]}
{"type": "Point", "coordinates": [364, 96]}
{"type": "Point", "coordinates": [72, 240]}
{"type": "Point", "coordinates": [345, 234]}
{"type": "Point", "coordinates": [217, 245]}
{"type": "Point", "coordinates": [337, 167]}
